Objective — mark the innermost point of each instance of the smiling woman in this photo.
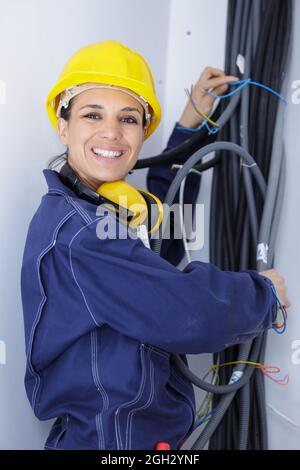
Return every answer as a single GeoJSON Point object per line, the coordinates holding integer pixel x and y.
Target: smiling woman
{"type": "Point", "coordinates": [104, 134]}
{"type": "Point", "coordinates": [103, 315]}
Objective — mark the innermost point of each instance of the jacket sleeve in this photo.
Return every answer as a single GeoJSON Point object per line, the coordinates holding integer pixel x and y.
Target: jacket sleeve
{"type": "Point", "coordinates": [201, 309]}
{"type": "Point", "coordinates": [159, 179]}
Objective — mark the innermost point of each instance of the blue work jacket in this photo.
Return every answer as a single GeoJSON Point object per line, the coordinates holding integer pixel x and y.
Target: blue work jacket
{"type": "Point", "coordinates": [103, 317]}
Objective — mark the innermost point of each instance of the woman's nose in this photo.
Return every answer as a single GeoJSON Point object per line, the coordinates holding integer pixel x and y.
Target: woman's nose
{"type": "Point", "coordinates": [110, 130]}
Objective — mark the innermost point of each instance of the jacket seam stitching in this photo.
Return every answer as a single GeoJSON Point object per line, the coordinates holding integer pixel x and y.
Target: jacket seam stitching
{"type": "Point", "coordinates": [145, 406]}
{"type": "Point", "coordinates": [100, 388]}
{"type": "Point", "coordinates": [41, 305]}
{"type": "Point", "coordinates": [81, 211]}
{"type": "Point", "coordinates": [131, 402]}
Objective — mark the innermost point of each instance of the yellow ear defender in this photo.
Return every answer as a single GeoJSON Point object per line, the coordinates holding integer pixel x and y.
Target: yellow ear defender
{"type": "Point", "coordinates": [138, 206]}
{"type": "Point", "coordinates": [145, 208]}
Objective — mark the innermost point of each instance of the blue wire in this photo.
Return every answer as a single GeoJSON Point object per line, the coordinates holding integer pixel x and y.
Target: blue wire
{"type": "Point", "coordinates": [242, 84]}
{"type": "Point", "coordinates": [277, 298]}
{"type": "Point", "coordinates": [227, 95]}
{"type": "Point", "coordinates": [195, 426]}
{"type": "Point", "coordinates": [211, 130]}
{"type": "Point", "coordinates": [280, 332]}
{"type": "Point", "coordinates": [245, 82]}
{"type": "Point", "coordinates": [238, 82]}
{"type": "Point", "coordinates": [270, 90]}
{"type": "Point", "coordinates": [203, 419]}
{"type": "Point", "coordinates": [191, 129]}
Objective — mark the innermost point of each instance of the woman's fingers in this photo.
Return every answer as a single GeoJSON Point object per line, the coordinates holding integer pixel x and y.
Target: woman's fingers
{"type": "Point", "coordinates": [279, 284]}
{"type": "Point", "coordinates": [212, 79]}
{"type": "Point", "coordinates": [209, 72]}
{"type": "Point", "coordinates": [216, 82]}
{"type": "Point", "coordinates": [220, 90]}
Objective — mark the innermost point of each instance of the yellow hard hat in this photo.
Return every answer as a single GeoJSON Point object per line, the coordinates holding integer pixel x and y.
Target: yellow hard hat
{"type": "Point", "coordinates": [110, 63]}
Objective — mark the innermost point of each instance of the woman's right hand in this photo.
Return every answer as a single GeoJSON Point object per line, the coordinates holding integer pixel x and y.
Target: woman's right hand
{"type": "Point", "coordinates": [210, 79]}
{"type": "Point", "coordinates": [279, 284]}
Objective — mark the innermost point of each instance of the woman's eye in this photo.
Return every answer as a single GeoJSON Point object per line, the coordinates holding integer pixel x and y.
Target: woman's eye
{"type": "Point", "coordinates": [94, 117]}
{"type": "Point", "coordinates": [130, 120]}
{"type": "Point", "coordinates": [91, 114]}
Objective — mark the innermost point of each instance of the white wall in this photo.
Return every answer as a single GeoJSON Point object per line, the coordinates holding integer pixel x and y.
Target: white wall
{"type": "Point", "coordinates": [36, 40]}
{"type": "Point", "coordinates": [281, 348]}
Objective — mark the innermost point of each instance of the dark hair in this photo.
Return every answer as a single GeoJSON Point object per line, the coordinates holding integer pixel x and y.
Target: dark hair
{"type": "Point", "coordinates": [65, 113]}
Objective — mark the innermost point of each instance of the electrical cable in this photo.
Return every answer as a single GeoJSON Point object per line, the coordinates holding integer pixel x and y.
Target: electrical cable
{"type": "Point", "coordinates": [181, 218]}
{"type": "Point", "coordinates": [191, 162]}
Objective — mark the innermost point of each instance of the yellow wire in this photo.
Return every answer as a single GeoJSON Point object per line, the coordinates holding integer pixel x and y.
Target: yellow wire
{"type": "Point", "coordinates": [281, 315]}
{"type": "Point", "coordinates": [205, 406]}
{"type": "Point", "coordinates": [264, 367]}
{"type": "Point", "coordinates": [209, 395]}
{"type": "Point", "coordinates": [200, 413]}
{"type": "Point", "coordinates": [202, 114]}
{"type": "Point", "coordinates": [214, 366]}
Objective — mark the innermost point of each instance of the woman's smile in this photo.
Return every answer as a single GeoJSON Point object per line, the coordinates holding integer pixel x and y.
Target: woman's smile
{"type": "Point", "coordinates": [109, 156]}
{"type": "Point", "coordinates": [107, 152]}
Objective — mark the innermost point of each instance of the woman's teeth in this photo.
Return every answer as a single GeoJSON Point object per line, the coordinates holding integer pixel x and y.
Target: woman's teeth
{"type": "Point", "coordinates": [106, 153]}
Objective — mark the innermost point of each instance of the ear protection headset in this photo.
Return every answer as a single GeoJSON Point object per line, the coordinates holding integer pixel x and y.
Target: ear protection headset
{"type": "Point", "coordinates": [134, 206]}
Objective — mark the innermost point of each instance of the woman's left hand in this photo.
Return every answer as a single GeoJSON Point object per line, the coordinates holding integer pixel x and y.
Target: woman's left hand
{"type": "Point", "coordinates": [211, 79]}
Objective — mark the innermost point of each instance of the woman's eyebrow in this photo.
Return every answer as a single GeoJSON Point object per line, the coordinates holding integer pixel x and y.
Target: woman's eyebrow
{"type": "Point", "coordinates": [98, 106]}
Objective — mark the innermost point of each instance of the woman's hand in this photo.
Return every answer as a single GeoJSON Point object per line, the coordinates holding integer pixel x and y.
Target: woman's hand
{"type": "Point", "coordinates": [210, 79]}
{"type": "Point", "coordinates": [279, 284]}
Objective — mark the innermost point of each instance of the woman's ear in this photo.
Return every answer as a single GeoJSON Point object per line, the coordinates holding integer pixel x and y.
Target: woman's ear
{"type": "Point", "coordinates": [62, 129]}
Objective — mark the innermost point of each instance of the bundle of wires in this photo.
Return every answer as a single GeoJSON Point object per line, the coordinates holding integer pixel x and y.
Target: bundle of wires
{"type": "Point", "coordinates": [260, 32]}
{"type": "Point", "coordinates": [244, 213]}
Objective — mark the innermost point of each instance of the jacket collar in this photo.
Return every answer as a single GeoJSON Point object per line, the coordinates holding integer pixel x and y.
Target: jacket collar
{"type": "Point", "coordinates": [56, 185]}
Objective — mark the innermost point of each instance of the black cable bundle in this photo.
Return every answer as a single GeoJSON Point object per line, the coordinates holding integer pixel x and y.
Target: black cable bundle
{"type": "Point", "coordinates": [260, 31]}
{"type": "Point", "coordinates": [244, 216]}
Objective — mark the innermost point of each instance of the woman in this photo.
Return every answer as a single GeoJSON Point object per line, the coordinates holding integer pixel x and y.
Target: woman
{"type": "Point", "coordinates": [102, 316]}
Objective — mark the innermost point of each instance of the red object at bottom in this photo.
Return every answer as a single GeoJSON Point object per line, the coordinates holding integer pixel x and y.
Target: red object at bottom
{"type": "Point", "coordinates": [162, 446]}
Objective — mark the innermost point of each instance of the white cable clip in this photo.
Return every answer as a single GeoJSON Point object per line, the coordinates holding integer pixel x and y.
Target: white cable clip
{"type": "Point", "coordinates": [240, 63]}
{"type": "Point", "coordinates": [262, 252]}
{"type": "Point", "coordinates": [236, 375]}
